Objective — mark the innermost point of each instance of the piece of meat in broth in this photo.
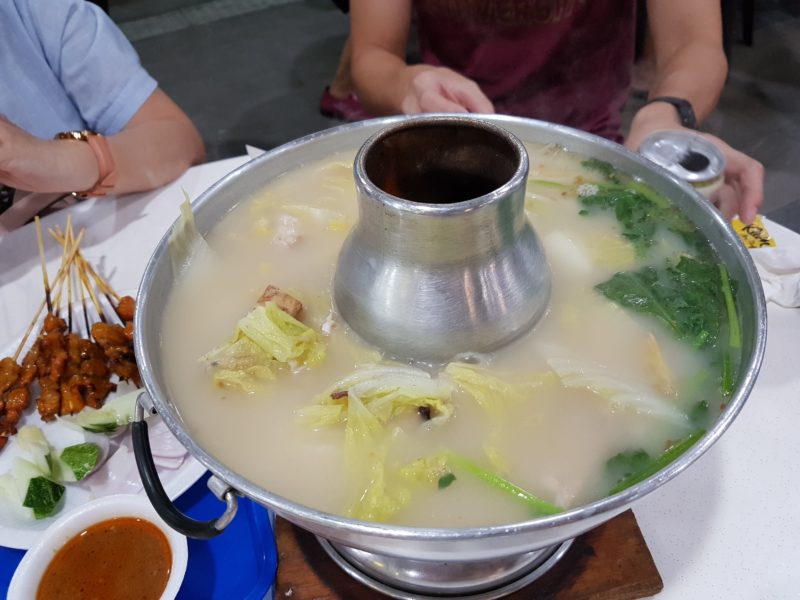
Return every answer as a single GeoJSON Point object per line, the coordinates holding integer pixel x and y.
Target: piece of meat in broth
{"type": "Point", "coordinates": [287, 303]}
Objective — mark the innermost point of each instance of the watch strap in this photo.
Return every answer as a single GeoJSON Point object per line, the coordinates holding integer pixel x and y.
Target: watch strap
{"type": "Point", "coordinates": [684, 108]}
{"type": "Point", "coordinates": [106, 167]}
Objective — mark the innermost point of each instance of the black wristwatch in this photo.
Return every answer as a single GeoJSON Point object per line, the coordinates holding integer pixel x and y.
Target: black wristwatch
{"type": "Point", "coordinates": [684, 108]}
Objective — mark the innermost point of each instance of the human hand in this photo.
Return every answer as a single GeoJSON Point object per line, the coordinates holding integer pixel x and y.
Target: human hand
{"type": "Point", "coordinates": [438, 89]}
{"type": "Point", "coordinates": [36, 165]}
{"type": "Point", "coordinates": [742, 192]}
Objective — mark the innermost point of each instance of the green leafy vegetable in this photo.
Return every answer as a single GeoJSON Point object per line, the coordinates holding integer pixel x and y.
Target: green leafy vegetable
{"type": "Point", "coordinates": [439, 469]}
{"type": "Point", "coordinates": [538, 505]}
{"type": "Point", "coordinates": [734, 334]}
{"type": "Point", "coordinates": [445, 480]}
{"type": "Point", "coordinates": [640, 213]}
{"type": "Point", "coordinates": [264, 337]}
{"type": "Point", "coordinates": [556, 185]}
{"type": "Point", "coordinates": [43, 496]}
{"type": "Point", "coordinates": [700, 414]}
{"type": "Point", "coordinates": [685, 297]}
{"type": "Point", "coordinates": [727, 379]}
{"type": "Point", "coordinates": [608, 172]}
{"type": "Point", "coordinates": [81, 458]}
{"type": "Point", "coordinates": [625, 464]}
{"type": "Point", "coordinates": [655, 465]}
{"type": "Point", "coordinates": [728, 382]}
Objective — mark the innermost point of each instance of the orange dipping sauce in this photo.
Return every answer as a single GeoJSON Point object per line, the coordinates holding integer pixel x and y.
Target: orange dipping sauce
{"type": "Point", "coordinates": [125, 558]}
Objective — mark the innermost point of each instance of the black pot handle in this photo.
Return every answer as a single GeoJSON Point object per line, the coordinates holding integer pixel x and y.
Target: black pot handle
{"type": "Point", "coordinates": [158, 497]}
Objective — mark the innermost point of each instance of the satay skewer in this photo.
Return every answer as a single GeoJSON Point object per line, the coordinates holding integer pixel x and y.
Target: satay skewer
{"type": "Point", "coordinates": [102, 284]}
{"type": "Point", "coordinates": [68, 259]}
{"type": "Point", "coordinates": [44, 267]}
{"type": "Point", "coordinates": [69, 274]}
{"type": "Point", "coordinates": [57, 281]}
{"type": "Point", "coordinates": [88, 285]}
{"type": "Point", "coordinates": [85, 311]}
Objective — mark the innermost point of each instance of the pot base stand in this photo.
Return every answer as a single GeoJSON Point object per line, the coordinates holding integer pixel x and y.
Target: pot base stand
{"type": "Point", "coordinates": [611, 561]}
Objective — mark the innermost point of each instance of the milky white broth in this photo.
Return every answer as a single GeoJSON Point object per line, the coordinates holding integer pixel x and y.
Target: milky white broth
{"type": "Point", "coordinates": [554, 444]}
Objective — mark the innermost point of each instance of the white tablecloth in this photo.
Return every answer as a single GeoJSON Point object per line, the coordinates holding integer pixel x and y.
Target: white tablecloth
{"type": "Point", "coordinates": [728, 527]}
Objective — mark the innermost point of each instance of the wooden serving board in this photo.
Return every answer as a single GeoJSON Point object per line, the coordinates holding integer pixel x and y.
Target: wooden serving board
{"type": "Point", "coordinates": [609, 562]}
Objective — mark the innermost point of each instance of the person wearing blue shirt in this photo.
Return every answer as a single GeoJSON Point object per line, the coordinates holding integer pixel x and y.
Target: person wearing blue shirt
{"type": "Point", "coordinates": [78, 112]}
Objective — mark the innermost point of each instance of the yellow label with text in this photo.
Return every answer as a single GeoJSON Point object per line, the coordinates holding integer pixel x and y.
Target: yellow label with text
{"type": "Point", "coordinates": [754, 235]}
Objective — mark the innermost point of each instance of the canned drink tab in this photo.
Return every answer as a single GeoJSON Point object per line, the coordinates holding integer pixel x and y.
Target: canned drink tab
{"type": "Point", "coordinates": [687, 155]}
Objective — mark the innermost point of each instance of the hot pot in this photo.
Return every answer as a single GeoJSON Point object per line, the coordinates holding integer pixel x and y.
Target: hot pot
{"type": "Point", "coordinates": [484, 562]}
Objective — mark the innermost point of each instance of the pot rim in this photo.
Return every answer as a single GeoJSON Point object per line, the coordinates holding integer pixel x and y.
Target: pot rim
{"type": "Point", "coordinates": [611, 504]}
{"type": "Point", "coordinates": [365, 183]}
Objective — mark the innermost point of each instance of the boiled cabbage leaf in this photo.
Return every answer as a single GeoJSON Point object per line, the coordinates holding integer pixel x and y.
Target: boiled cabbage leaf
{"type": "Point", "coordinates": [184, 238]}
{"type": "Point", "coordinates": [385, 392]}
{"type": "Point", "coordinates": [264, 338]}
{"type": "Point", "coordinates": [429, 469]}
{"type": "Point", "coordinates": [379, 501]}
{"type": "Point", "coordinates": [620, 394]}
{"type": "Point", "coordinates": [489, 390]}
{"type": "Point", "coordinates": [486, 388]}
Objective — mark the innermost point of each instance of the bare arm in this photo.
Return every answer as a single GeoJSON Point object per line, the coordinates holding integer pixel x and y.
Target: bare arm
{"type": "Point", "coordinates": [690, 64]}
{"type": "Point", "coordinates": [385, 83]}
{"type": "Point", "coordinates": [156, 146]}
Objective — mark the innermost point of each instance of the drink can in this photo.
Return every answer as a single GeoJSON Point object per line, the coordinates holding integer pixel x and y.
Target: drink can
{"type": "Point", "coordinates": [687, 155]}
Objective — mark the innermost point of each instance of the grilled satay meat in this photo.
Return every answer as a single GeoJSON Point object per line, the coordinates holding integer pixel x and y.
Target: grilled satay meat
{"type": "Point", "coordinates": [51, 365]}
{"type": "Point", "coordinates": [117, 344]}
{"type": "Point", "coordinates": [87, 376]}
{"type": "Point", "coordinates": [19, 396]}
{"type": "Point", "coordinates": [9, 378]}
{"type": "Point", "coordinates": [18, 400]}
{"type": "Point", "coordinates": [126, 308]}
{"type": "Point", "coordinates": [72, 400]}
{"type": "Point", "coordinates": [9, 374]}
{"type": "Point", "coordinates": [94, 373]}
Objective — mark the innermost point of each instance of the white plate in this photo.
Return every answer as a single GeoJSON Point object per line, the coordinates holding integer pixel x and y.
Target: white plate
{"type": "Point", "coordinates": [22, 534]}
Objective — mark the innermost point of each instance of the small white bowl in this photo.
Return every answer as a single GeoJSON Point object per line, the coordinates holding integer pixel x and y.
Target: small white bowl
{"type": "Point", "coordinates": [29, 573]}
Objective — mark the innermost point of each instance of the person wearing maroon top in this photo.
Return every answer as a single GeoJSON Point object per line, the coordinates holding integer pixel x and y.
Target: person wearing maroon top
{"type": "Point", "coordinates": [564, 61]}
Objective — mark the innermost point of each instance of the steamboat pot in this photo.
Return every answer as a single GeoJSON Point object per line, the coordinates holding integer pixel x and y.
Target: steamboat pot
{"type": "Point", "coordinates": [406, 562]}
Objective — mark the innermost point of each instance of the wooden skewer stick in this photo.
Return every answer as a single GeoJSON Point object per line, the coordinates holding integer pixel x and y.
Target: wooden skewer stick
{"type": "Point", "coordinates": [62, 239]}
{"type": "Point", "coordinates": [83, 304]}
{"type": "Point", "coordinates": [67, 241]}
{"type": "Point", "coordinates": [88, 285]}
{"type": "Point", "coordinates": [59, 276]}
{"type": "Point", "coordinates": [104, 286]}
{"type": "Point", "coordinates": [44, 267]}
